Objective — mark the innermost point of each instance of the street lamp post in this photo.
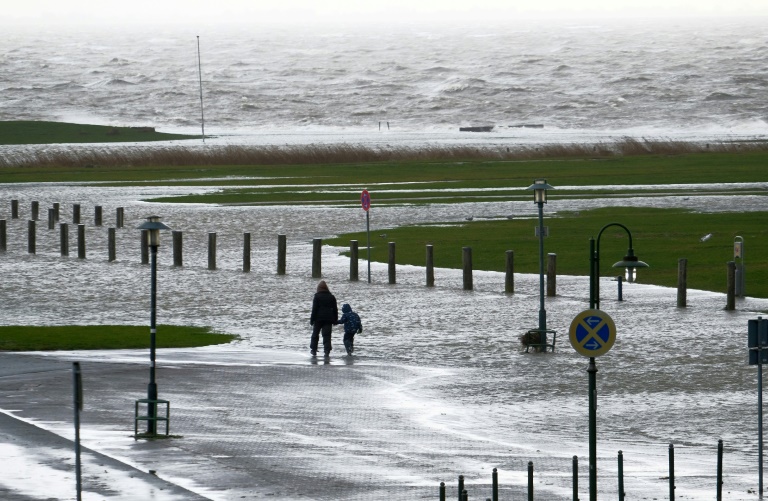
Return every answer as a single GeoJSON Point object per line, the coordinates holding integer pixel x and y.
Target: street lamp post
{"type": "Point", "coordinates": [630, 263]}
{"type": "Point", "coordinates": [153, 227]}
{"type": "Point", "coordinates": [539, 188]}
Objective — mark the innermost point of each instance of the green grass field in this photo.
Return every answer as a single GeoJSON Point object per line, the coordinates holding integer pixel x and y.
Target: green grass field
{"type": "Point", "coordinates": [32, 132]}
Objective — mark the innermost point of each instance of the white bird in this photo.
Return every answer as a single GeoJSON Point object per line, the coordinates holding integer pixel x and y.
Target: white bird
{"type": "Point", "coordinates": [383, 235]}
{"type": "Point", "coordinates": [706, 237]}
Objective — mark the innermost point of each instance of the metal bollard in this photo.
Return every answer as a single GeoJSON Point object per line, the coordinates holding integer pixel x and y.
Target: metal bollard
{"type": "Point", "coordinates": [575, 478]}
{"type": "Point", "coordinates": [551, 274]}
{"type": "Point", "coordinates": [530, 480]}
{"type": "Point", "coordinates": [442, 491]}
{"type": "Point", "coordinates": [719, 470]}
{"type": "Point", "coordinates": [461, 485]}
{"type": "Point", "coordinates": [464, 495]}
{"type": "Point", "coordinates": [671, 472]}
{"type": "Point", "coordinates": [621, 476]}
{"type": "Point", "coordinates": [495, 485]}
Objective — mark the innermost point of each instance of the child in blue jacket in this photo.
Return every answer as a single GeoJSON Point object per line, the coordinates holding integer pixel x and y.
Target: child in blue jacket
{"type": "Point", "coordinates": [352, 326]}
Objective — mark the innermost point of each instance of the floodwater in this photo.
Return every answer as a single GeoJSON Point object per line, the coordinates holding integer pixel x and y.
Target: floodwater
{"type": "Point", "coordinates": [673, 376]}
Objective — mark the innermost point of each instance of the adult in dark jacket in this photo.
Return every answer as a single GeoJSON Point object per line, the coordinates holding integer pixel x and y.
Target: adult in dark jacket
{"type": "Point", "coordinates": [324, 316]}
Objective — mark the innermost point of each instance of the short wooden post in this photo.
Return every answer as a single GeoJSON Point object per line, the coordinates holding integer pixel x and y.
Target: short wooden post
{"type": "Point", "coordinates": [56, 211]}
{"type": "Point", "coordinates": [178, 247]}
{"type": "Point", "coordinates": [466, 262]}
{"type": "Point", "coordinates": [392, 271]}
{"type": "Point", "coordinates": [551, 274]}
{"type": "Point", "coordinates": [509, 280]}
{"type": "Point", "coordinates": [682, 283]}
{"type": "Point", "coordinates": [112, 244]}
{"type": "Point", "coordinates": [64, 233]}
{"type": "Point", "coordinates": [120, 217]}
{"type": "Point", "coordinates": [14, 209]}
{"type": "Point", "coordinates": [144, 247]}
{"type": "Point", "coordinates": [81, 241]}
{"type": "Point", "coordinates": [282, 247]}
{"type": "Point", "coordinates": [353, 261]}
{"type": "Point", "coordinates": [211, 251]}
{"type": "Point", "coordinates": [51, 218]}
{"type": "Point", "coordinates": [317, 249]}
{"type": "Point", "coordinates": [430, 266]}
{"type": "Point", "coordinates": [246, 252]}
{"type": "Point", "coordinates": [731, 286]}
{"type": "Point", "coordinates": [31, 237]}
{"type": "Point", "coordinates": [97, 213]}
{"type": "Point", "coordinates": [75, 213]}
{"type": "Point", "coordinates": [3, 236]}
{"type": "Point", "coordinates": [35, 209]}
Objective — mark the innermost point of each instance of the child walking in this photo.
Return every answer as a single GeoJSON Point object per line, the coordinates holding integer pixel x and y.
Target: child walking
{"type": "Point", "coordinates": [352, 326]}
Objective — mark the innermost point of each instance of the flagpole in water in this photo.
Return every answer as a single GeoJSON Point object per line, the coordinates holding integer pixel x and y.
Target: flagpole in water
{"type": "Point", "coordinates": [200, 76]}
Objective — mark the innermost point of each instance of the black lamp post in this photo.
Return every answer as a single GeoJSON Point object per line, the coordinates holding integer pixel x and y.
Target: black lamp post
{"type": "Point", "coordinates": [153, 227]}
{"type": "Point", "coordinates": [630, 263]}
{"type": "Point", "coordinates": [539, 188]}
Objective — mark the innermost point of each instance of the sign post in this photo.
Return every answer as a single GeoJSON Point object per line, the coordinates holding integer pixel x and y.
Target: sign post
{"type": "Point", "coordinates": [592, 334]}
{"type": "Point", "coordinates": [757, 344]}
{"type": "Point", "coordinates": [365, 200]}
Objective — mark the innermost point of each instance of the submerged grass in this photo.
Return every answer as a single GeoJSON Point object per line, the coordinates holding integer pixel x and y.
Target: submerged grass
{"type": "Point", "coordinates": [33, 132]}
{"type": "Point", "coordinates": [100, 337]}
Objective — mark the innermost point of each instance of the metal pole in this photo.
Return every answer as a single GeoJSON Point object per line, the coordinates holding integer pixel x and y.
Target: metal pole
{"type": "Point", "coordinates": [621, 476]}
{"type": "Point", "coordinates": [368, 231]}
{"type": "Point", "coordinates": [592, 302]}
{"type": "Point", "coordinates": [461, 485]}
{"type": "Point", "coordinates": [542, 310]}
{"type": "Point", "coordinates": [720, 470]}
{"type": "Point", "coordinates": [592, 370]}
{"type": "Point", "coordinates": [530, 480]}
{"type": "Point", "coordinates": [760, 417]}
{"type": "Point", "coordinates": [495, 485]}
{"type": "Point", "coordinates": [200, 75]}
{"type": "Point", "coordinates": [152, 387]}
{"type": "Point", "coordinates": [575, 478]}
{"type": "Point", "coordinates": [671, 472]}
{"type": "Point", "coordinates": [78, 400]}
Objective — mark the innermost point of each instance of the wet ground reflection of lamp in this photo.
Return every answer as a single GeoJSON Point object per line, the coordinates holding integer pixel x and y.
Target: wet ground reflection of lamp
{"type": "Point", "coordinates": [153, 227]}
{"type": "Point", "coordinates": [539, 188]}
{"type": "Point", "coordinates": [630, 263]}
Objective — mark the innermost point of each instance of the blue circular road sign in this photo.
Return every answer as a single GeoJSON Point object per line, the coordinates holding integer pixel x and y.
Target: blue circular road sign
{"type": "Point", "coordinates": [592, 333]}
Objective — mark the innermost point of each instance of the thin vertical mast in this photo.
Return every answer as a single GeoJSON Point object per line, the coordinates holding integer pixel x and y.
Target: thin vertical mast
{"type": "Point", "coordinates": [200, 75]}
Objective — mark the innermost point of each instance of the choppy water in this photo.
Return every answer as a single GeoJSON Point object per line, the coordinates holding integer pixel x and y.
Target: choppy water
{"type": "Point", "coordinates": [656, 79]}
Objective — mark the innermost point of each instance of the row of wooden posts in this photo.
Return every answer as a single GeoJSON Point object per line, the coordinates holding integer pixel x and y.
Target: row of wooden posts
{"type": "Point", "coordinates": [509, 282]}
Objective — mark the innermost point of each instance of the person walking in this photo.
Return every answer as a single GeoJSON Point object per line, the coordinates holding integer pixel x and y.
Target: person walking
{"type": "Point", "coordinates": [352, 325]}
{"type": "Point", "coordinates": [325, 314]}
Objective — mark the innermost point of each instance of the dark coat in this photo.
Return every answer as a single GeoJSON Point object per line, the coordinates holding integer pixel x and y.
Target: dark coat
{"type": "Point", "coordinates": [324, 309]}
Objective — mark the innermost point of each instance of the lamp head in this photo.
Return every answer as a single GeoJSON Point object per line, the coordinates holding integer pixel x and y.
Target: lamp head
{"type": "Point", "coordinates": [540, 188]}
{"type": "Point", "coordinates": [153, 227]}
{"type": "Point", "coordinates": [631, 264]}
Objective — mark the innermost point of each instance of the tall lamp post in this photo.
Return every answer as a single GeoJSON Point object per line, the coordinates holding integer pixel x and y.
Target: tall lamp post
{"type": "Point", "coordinates": [153, 227]}
{"type": "Point", "coordinates": [539, 188]}
{"type": "Point", "coordinates": [630, 263]}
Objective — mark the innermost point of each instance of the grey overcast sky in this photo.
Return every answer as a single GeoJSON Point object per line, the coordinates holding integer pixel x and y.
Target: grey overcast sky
{"type": "Point", "coordinates": [107, 12]}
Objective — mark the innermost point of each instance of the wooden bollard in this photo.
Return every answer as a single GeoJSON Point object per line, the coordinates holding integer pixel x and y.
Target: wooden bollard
{"type": "Point", "coordinates": [509, 279]}
{"type": "Point", "coordinates": [119, 217]}
{"type": "Point", "coordinates": [730, 303]}
{"type": "Point", "coordinates": [317, 247]}
{"type": "Point", "coordinates": [144, 246]}
{"type": "Point", "coordinates": [97, 215]}
{"type": "Point", "coordinates": [682, 283]}
{"type": "Point", "coordinates": [31, 237]}
{"type": "Point", "coordinates": [177, 236]}
{"type": "Point", "coordinates": [246, 252]}
{"type": "Point", "coordinates": [56, 211]}
{"type": "Point", "coordinates": [51, 218]}
{"type": "Point", "coordinates": [111, 244]}
{"type": "Point", "coordinates": [35, 209]}
{"type": "Point", "coordinates": [466, 261]}
{"type": "Point", "coordinates": [430, 266]}
{"type": "Point", "coordinates": [81, 241]}
{"type": "Point", "coordinates": [14, 209]}
{"type": "Point", "coordinates": [392, 271]}
{"type": "Point", "coordinates": [75, 213]}
{"type": "Point", "coordinates": [282, 247]}
{"type": "Point", "coordinates": [64, 233]}
{"type": "Point", "coordinates": [3, 235]}
{"type": "Point", "coordinates": [353, 261]}
{"type": "Point", "coordinates": [551, 274]}
{"type": "Point", "coordinates": [211, 251]}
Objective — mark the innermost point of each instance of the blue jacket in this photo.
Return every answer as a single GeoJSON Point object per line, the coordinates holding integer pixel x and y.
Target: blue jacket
{"type": "Point", "coordinates": [351, 320]}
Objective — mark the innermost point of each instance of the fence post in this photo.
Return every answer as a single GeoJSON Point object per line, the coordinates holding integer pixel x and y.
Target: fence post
{"type": "Point", "coordinates": [64, 233]}
{"type": "Point", "coordinates": [731, 286]}
{"type": "Point", "coordinates": [35, 209]}
{"type": "Point", "coordinates": [75, 213]}
{"type": "Point", "coordinates": [3, 236]}
{"type": "Point", "coordinates": [353, 261]}
{"type": "Point", "coordinates": [551, 274]}
{"type": "Point", "coordinates": [720, 470]}
{"type": "Point", "coordinates": [671, 472]}
{"type": "Point", "coordinates": [509, 281]}
{"type": "Point", "coordinates": [246, 252]}
{"type": "Point", "coordinates": [392, 271]}
{"type": "Point", "coordinates": [495, 485]}
{"type": "Point", "coordinates": [51, 218]}
{"type": "Point", "coordinates": [97, 213]}
{"type": "Point", "coordinates": [211, 250]}
{"type": "Point", "coordinates": [430, 266]}
{"type": "Point", "coordinates": [682, 282]}
{"type": "Point", "coordinates": [317, 257]}
{"type": "Point", "coordinates": [14, 209]}
{"type": "Point", "coordinates": [178, 248]}
{"type": "Point", "coordinates": [575, 478]}
{"type": "Point", "coordinates": [144, 246]}
{"type": "Point", "coordinates": [281, 250]}
{"type": "Point", "coordinates": [81, 241]}
{"type": "Point", "coordinates": [31, 237]}
{"type": "Point", "coordinates": [621, 476]}
{"type": "Point", "coordinates": [112, 244]}
{"type": "Point", "coordinates": [119, 217]}
{"type": "Point", "coordinates": [530, 480]}
{"type": "Point", "coordinates": [466, 260]}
